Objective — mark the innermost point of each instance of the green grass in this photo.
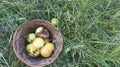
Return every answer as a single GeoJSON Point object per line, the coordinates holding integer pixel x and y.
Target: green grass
{"type": "Point", "coordinates": [90, 28]}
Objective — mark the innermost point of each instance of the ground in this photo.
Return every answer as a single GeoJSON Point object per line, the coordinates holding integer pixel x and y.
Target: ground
{"type": "Point", "coordinates": [90, 29]}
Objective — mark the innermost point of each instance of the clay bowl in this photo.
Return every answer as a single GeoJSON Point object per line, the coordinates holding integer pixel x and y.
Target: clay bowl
{"type": "Point", "coordinates": [19, 43]}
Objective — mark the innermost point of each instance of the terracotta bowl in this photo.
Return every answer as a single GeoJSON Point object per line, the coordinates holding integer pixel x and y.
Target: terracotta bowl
{"type": "Point", "coordinates": [19, 43]}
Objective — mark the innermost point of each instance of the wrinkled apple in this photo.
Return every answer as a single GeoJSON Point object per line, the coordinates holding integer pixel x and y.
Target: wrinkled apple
{"type": "Point", "coordinates": [32, 51]}
{"type": "Point", "coordinates": [41, 32]}
{"type": "Point", "coordinates": [39, 29]}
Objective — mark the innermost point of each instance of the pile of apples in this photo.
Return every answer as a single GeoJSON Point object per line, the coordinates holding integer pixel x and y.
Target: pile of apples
{"type": "Point", "coordinates": [39, 44]}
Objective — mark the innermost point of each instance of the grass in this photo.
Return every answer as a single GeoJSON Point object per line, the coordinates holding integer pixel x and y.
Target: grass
{"type": "Point", "coordinates": [90, 28]}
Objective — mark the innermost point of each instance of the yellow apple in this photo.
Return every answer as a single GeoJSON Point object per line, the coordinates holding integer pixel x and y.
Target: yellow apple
{"type": "Point", "coordinates": [32, 51]}
{"type": "Point", "coordinates": [45, 52]}
{"type": "Point", "coordinates": [38, 43]}
{"type": "Point", "coordinates": [31, 37]}
{"type": "Point", "coordinates": [49, 46]}
{"type": "Point", "coordinates": [54, 21]}
{"type": "Point", "coordinates": [29, 47]}
{"type": "Point", "coordinates": [47, 41]}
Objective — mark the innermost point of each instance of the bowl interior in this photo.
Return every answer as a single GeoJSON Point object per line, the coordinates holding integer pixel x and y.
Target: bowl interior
{"type": "Point", "coordinates": [19, 42]}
